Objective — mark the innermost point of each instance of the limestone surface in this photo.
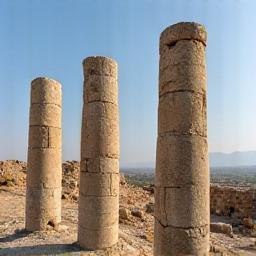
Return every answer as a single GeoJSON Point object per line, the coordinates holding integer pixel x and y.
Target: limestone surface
{"type": "Point", "coordinates": [182, 173]}
{"type": "Point", "coordinates": [43, 187]}
{"type": "Point", "coordinates": [98, 211]}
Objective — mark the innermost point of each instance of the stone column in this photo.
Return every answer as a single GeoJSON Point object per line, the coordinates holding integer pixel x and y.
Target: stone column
{"type": "Point", "coordinates": [182, 172]}
{"type": "Point", "coordinates": [99, 176]}
{"type": "Point", "coordinates": [43, 195]}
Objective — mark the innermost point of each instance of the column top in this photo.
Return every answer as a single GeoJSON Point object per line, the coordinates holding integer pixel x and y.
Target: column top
{"type": "Point", "coordinates": [98, 58]}
{"type": "Point", "coordinates": [45, 91]}
{"type": "Point", "coordinates": [44, 80]}
{"type": "Point", "coordinates": [99, 65]}
{"type": "Point", "coordinates": [183, 31]}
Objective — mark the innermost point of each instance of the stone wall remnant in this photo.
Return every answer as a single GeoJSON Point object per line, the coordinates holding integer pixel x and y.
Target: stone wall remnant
{"type": "Point", "coordinates": [233, 201]}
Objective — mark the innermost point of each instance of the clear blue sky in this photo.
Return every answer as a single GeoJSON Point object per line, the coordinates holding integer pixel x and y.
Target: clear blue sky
{"type": "Point", "coordinates": [52, 37]}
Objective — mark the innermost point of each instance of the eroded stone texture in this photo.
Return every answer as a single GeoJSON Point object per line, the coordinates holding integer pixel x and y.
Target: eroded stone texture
{"type": "Point", "coordinates": [43, 194]}
{"type": "Point", "coordinates": [231, 200]}
{"type": "Point", "coordinates": [99, 173]}
{"type": "Point", "coordinates": [182, 172]}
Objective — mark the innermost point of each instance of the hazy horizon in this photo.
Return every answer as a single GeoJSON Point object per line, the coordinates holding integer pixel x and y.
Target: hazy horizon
{"type": "Point", "coordinates": [216, 159]}
{"type": "Point", "coordinates": [51, 38]}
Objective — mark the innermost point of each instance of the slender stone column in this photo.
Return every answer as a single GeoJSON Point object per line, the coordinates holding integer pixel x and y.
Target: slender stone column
{"type": "Point", "coordinates": [99, 175]}
{"type": "Point", "coordinates": [182, 172]}
{"type": "Point", "coordinates": [43, 195]}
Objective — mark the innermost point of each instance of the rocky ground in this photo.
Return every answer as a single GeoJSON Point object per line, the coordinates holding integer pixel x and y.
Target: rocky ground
{"type": "Point", "coordinates": [136, 220]}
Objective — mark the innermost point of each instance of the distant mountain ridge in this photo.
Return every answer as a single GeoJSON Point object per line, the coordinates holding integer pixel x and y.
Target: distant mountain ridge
{"type": "Point", "coordinates": [217, 159]}
{"type": "Point", "coordinates": [238, 158]}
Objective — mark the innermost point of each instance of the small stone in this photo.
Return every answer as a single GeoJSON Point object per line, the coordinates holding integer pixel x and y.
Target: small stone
{"type": "Point", "coordinates": [129, 201]}
{"type": "Point", "coordinates": [137, 213]}
{"type": "Point", "coordinates": [122, 180]}
{"type": "Point", "coordinates": [149, 188]}
{"type": "Point", "coordinates": [218, 212]}
{"type": "Point", "coordinates": [150, 207]}
{"type": "Point", "coordinates": [248, 223]}
{"type": "Point", "coordinates": [221, 228]}
{"type": "Point", "coordinates": [64, 196]}
{"type": "Point", "coordinates": [123, 213]}
{"type": "Point", "coordinates": [75, 197]}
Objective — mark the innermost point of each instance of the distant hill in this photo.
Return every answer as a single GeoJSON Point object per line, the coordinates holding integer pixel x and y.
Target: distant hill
{"type": "Point", "coordinates": [139, 165]}
{"type": "Point", "coordinates": [245, 158]}
{"type": "Point", "coordinates": [217, 159]}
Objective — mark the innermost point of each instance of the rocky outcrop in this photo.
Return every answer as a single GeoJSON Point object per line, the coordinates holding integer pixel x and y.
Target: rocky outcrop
{"type": "Point", "coordinates": [13, 173]}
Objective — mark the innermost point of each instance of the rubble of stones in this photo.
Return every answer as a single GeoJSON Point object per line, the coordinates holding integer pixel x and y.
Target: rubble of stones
{"type": "Point", "coordinates": [13, 173]}
{"type": "Point", "coordinates": [237, 201]}
{"type": "Point", "coordinates": [137, 203]}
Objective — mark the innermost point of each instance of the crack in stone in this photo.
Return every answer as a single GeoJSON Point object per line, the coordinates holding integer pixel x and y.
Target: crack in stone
{"type": "Point", "coordinates": [174, 42]}
{"type": "Point", "coordinates": [95, 73]}
{"type": "Point", "coordinates": [45, 104]}
{"type": "Point", "coordinates": [202, 94]}
{"type": "Point", "coordinates": [45, 126]}
{"type": "Point", "coordinates": [43, 185]}
{"type": "Point", "coordinates": [178, 134]}
{"type": "Point", "coordinates": [48, 134]}
{"type": "Point", "coordinates": [31, 147]}
{"type": "Point", "coordinates": [183, 228]}
{"type": "Point", "coordinates": [102, 101]}
{"type": "Point", "coordinates": [114, 157]}
{"type": "Point", "coordinates": [179, 64]}
{"type": "Point", "coordinates": [110, 184]}
{"type": "Point", "coordinates": [97, 158]}
{"type": "Point", "coordinates": [164, 206]}
{"type": "Point", "coordinates": [101, 172]}
{"type": "Point", "coordinates": [89, 195]}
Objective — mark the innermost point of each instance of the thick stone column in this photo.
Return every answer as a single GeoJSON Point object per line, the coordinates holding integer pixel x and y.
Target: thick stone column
{"type": "Point", "coordinates": [43, 195]}
{"type": "Point", "coordinates": [99, 175]}
{"type": "Point", "coordinates": [182, 172]}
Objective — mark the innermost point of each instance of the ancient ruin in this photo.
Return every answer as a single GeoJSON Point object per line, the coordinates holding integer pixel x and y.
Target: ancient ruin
{"type": "Point", "coordinates": [182, 172]}
{"type": "Point", "coordinates": [99, 175]}
{"type": "Point", "coordinates": [43, 193]}
{"type": "Point", "coordinates": [233, 201]}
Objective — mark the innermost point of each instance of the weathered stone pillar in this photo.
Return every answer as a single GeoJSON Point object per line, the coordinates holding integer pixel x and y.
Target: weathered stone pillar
{"type": "Point", "coordinates": [43, 195]}
{"type": "Point", "coordinates": [182, 173]}
{"type": "Point", "coordinates": [99, 175]}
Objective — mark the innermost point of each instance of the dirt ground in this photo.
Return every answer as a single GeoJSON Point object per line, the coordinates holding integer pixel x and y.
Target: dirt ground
{"type": "Point", "coordinates": [135, 232]}
{"type": "Point", "coordinates": [14, 240]}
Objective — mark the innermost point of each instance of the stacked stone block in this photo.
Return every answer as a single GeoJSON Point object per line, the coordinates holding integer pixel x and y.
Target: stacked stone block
{"type": "Point", "coordinates": [233, 201]}
{"type": "Point", "coordinates": [99, 176]}
{"type": "Point", "coordinates": [182, 173]}
{"type": "Point", "coordinates": [43, 194]}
